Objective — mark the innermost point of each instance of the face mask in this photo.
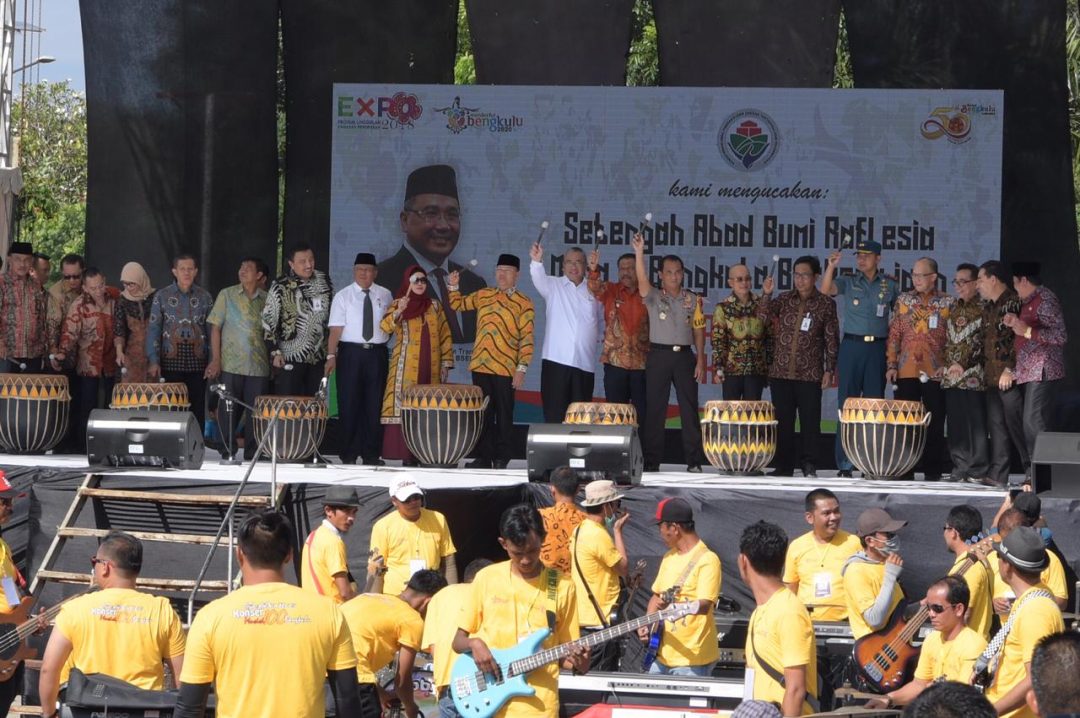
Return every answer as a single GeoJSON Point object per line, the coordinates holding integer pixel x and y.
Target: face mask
{"type": "Point", "coordinates": [609, 521]}
{"type": "Point", "coordinates": [891, 546]}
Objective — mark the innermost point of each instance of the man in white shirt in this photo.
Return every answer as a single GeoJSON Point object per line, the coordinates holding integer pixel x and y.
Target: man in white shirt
{"type": "Point", "coordinates": [357, 350]}
{"type": "Point", "coordinates": [572, 328]}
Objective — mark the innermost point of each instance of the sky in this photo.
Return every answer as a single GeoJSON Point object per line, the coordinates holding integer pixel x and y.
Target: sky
{"type": "Point", "coordinates": [62, 39]}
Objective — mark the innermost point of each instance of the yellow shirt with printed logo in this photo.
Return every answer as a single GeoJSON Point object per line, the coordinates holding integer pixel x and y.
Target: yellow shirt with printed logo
{"type": "Point", "coordinates": [503, 608]}
{"type": "Point", "coordinates": [401, 543]}
{"type": "Point", "coordinates": [322, 558]}
{"type": "Point", "coordinates": [440, 627]}
{"type": "Point", "coordinates": [379, 624]}
{"type": "Point", "coordinates": [267, 648]}
{"type": "Point", "coordinates": [592, 548]}
{"type": "Point", "coordinates": [123, 633]}
{"type": "Point", "coordinates": [816, 567]}
{"type": "Point", "coordinates": [862, 582]}
{"type": "Point", "coordinates": [781, 635]}
{"type": "Point", "coordinates": [950, 660]}
{"type": "Point", "coordinates": [690, 641]}
{"type": "Point", "coordinates": [1038, 617]}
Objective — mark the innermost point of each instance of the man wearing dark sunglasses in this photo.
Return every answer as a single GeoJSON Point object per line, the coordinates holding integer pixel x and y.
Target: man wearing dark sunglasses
{"type": "Point", "coordinates": [950, 651]}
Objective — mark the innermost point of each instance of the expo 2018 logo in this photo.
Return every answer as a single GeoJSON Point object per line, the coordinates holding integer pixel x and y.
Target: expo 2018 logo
{"type": "Point", "coordinates": [748, 140]}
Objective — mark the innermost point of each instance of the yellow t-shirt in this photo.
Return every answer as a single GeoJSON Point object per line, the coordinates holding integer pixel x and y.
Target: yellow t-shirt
{"type": "Point", "coordinates": [980, 580]}
{"type": "Point", "coordinates": [503, 608]}
{"type": "Point", "coordinates": [123, 633]}
{"type": "Point", "coordinates": [379, 624]}
{"type": "Point", "coordinates": [816, 567]}
{"type": "Point", "coordinates": [950, 660]}
{"type": "Point", "coordinates": [405, 544]}
{"type": "Point", "coordinates": [782, 634]}
{"type": "Point", "coordinates": [862, 581]}
{"type": "Point", "coordinates": [592, 548]}
{"type": "Point", "coordinates": [268, 648]}
{"type": "Point", "coordinates": [1053, 577]}
{"type": "Point", "coordinates": [690, 641]}
{"type": "Point", "coordinates": [7, 571]}
{"type": "Point", "coordinates": [1038, 618]}
{"type": "Point", "coordinates": [323, 556]}
{"type": "Point", "coordinates": [440, 627]}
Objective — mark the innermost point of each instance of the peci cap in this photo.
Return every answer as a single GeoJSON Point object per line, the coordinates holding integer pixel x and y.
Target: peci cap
{"type": "Point", "coordinates": [872, 521]}
{"type": "Point", "coordinates": [508, 260]}
{"type": "Point", "coordinates": [1026, 269]}
{"type": "Point", "coordinates": [341, 496]}
{"type": "Point", "coordinates": [1024, 549]}
{"type": "Point", "coordinates": [21, 248]}
{"type": "Point", "coordinates": [600, 492]}
{"type": "Point", "coordinates": [7, 491]}
{"type": "Point", "coordinates": [867, 246]}
{"type": "Point", "coordinates": [674, 510]}
{"type": "Point", "coordinates": [401, 489]}
{"type": "Point", "coordinates": [432, 179]}
{"type": "Point", "coordinates": [365, 258]}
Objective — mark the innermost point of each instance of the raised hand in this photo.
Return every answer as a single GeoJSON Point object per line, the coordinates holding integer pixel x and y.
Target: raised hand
{"type": "Point", "coordinates": [594, 260]}
{"type": "Point", "coordinates": [638, 244]}
{"type": "Point", "coordinates": [536, 252]}
{"type": "Point", "coordinates": [834, 258]}
{"type": "Point", "coordinates": [768, 285]}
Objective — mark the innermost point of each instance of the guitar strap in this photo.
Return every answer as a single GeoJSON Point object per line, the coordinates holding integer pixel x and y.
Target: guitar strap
{"type": "Point", "coordinates": [776, 675]}
{"type": "Point", "coordinates": [698, 553]}
{"type": "Point", "coordinates": [988, 661]}
{"type": "Point", "coordinates": [552, 597]}
{"type": "Point", "coordinates": [588, 589]}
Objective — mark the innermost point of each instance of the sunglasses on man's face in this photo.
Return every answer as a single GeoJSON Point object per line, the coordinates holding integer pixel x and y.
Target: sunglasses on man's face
{"type": "Point", "coordinates": [936, 608]}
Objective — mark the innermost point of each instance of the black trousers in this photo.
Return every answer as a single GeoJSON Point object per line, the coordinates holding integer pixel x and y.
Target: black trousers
{"type": "Point", "coordinates": [369, 701]}
{"type": "Point", "coordinates": [196, 386]}
{"type": "Point", "coordinates": [662, 369]}
{"type": "Point", "coordinates": [33, 366]}
{"type": "Point", "coordinates": [932, 397]}
{"type": "Point", "coordinates": [245, 388]}
{"type": "Point", "coordinates": [804, 398]}
{"type": "Point", "coordinates": [497, 436]}
{"type": "Point", "coordinates": [625, 386]}
{"type": "Point", "coordinates": [302, 380]}
{"type": "Point", "coordinates": [1005, 418]}
{"type": "Point", "coordinates": [361, 379]}
{"type": "Point", "coordinates": [560, 386]}
{"type": "Point", "coordinates": [12, 687]}
{"type": "Point", "coordinates": [1038, 409]}
{"type": "Point", "coordinates": [85, 401]}
{"type": "Point", "coordinates": [604, 657]}
{"type": "Point", "coordinates": [968, 442]}
{"type": "Point", "coordinates": [746, 387]}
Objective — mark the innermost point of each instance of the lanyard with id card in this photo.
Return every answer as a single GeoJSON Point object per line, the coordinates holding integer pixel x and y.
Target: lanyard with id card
{"type": "Point", "coordinates": [933, 321]}
{"type": "Point", "coordinates": [806, 323]}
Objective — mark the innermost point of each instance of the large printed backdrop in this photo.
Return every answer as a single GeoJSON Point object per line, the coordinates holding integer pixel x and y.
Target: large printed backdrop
{"type": "Point", "coordinates": [729, 175]}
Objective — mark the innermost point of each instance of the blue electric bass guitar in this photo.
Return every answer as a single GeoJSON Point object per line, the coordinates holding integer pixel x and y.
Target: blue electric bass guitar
{"type": "Point", "coordinates": [481, 695]}
{"type": "Point", "coordinates": [652, 646]}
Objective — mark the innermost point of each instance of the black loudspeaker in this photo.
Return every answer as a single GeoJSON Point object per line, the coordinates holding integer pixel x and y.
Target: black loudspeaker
{"type": "Point", "coordinates": [1056, 464]}
{"type": "Point", "coordinates": [596, 452]}
{"type": "Point", "coordinates": [161, 439]}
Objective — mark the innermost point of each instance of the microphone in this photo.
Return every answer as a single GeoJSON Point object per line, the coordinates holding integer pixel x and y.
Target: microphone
{"type": "Point", "coordinates": [218, 389]}
{"type": "Point", "coordinates": [543, 229]}
{"type": "Point", "coordinates": [321, 393]}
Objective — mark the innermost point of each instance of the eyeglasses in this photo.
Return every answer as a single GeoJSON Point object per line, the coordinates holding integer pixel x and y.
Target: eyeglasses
{"type": "Point", "coordinates": [431, 215]}
{"type": "Point", "coordinates": [938, 608]}
{"type": "Point", "coordinates": [418, 280]}
{"type": "Point", "coordinates": [72, 277]}
{"type": "Point", "coordinates": [94, 561]}
{"type": "Point", "coordinates": [804, 275]}
{"type": "Point", "coordinates": [963, 282]}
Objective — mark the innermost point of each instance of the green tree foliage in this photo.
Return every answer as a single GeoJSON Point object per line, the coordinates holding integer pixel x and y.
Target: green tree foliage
{"type": "Point", "coordinates": [465, 65]}
{"type": "Point", "coordinates": [50, 122]}
{"type": "Point", "coordinates": [1072, 64]}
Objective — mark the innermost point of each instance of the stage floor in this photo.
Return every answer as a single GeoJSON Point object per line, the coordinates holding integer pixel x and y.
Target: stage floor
{"type": "Point", "coordinates": [671, 476]}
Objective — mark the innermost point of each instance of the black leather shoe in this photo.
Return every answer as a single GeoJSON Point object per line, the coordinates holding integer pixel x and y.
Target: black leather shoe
{"type": "Point", "coordinates": [843, 474]}
{"type": "Point", "coordinates": [652, 468]}
{"type": "Point", "coordinates": [499, 464]}
{"type": "Point", "coordinates": [347, 459]}
{"type": "Point", "coordinates": [694, 468]}
{"type": "Point", "coordinates": [374, 462]}
{"type": "Point", "coordinates": [479, 464]}
{"type": "Point", "coordinates": [984, 481]}
{"type": "Point", "coordinates": [809, 472]}
{"type": "Point", "coordinates": [952, 478]}
{"type": "Point", "coordinates": [931, 477]}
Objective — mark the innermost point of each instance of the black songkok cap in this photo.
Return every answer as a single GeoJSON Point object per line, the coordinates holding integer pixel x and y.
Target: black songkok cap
{"type": "Point", "coordinates": [365, 258]}
{"type": "Point", "coordinates": [433, 179]}
{"type": "Point", "coordinates": [1026, 269]}
{"type": "Point", "coordinates": [20, 248]}
{"type": "Point", "coordinates": [508, 260]}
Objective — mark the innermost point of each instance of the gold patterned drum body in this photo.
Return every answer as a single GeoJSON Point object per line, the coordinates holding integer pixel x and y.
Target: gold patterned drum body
{"type": "Point", "coordinates": [34, 412]}
{"type": "Point", "coordinates": [739, 436]}
{"type": "Point", "coordinates": [442, 422]}
{"type": "Point", "coordinates": [165, 396]}
{"type": "Point", "coordinates": [883, 437]}
{"type": "Point", "coordinates": [301, 424]}
{"type": "Point", "coordinates": [601, 413]}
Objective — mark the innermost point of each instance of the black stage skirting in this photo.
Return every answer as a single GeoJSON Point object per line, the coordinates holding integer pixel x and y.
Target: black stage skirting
{"type": "Point", "coordinates": [473, 512]}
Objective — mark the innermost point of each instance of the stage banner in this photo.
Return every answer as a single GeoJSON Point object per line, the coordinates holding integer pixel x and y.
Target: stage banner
{"type": "Point", "coordinates": [730, 176]}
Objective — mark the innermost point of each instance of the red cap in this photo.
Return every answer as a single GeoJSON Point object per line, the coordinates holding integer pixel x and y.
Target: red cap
{"type": "Point", "coordinates": [8, 491]}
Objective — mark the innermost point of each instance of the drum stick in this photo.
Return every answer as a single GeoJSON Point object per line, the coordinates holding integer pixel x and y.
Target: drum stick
{"type": "Point", "coordinates": [22, 366]}
{"type": "Point", "coordinates": [647, 222]}
{"type": "Point", "coordinates": [543, 229]}
{"type": "Point", "coordinates": [288, 367]}
{"type": "Point", "coordinates": [846, 240]}
{"type": "Point", "coordinates": [924, 377]}
{"type": "Point", "coordinates": [599, 236]}
{"type": "Point", "coordinates": [473, 263]}
{"type": "Point", "coordinates": [775, 261]}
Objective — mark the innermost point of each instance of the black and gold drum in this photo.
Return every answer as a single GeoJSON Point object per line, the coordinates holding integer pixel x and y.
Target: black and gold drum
{"type": "Point", "coordinates": [739, 437]}
{"type": "Point", "coordinates": [34, 412]}
{"type": "Point", "coordinates": [442, 422]}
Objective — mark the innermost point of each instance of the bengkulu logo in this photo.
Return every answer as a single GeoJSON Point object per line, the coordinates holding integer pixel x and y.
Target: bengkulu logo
{"type": "Point", "coordinates": [748, 140]}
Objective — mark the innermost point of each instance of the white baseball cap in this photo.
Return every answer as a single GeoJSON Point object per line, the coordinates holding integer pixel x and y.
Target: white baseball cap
{"type": "Point", "coordinates": [404, 487]}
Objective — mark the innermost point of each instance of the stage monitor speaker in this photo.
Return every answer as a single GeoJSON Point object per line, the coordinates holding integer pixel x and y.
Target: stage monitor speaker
{"type": "Point", "coordinates": [596, 452]}
{"type": "Point", "coordinates": [1056, 464]}
{"type": "Point", "coordinates": [161, 439]}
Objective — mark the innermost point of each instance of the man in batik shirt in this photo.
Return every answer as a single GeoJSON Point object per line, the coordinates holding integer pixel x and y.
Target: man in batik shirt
{"type": "Point", "coordinates": [964, 380]}
{"type": "Point", "coordinates": [626, 333]}
{"type": "Point", "coordinates": [738, 339]}
{"type": "Point", "coordinates": [23, 308]}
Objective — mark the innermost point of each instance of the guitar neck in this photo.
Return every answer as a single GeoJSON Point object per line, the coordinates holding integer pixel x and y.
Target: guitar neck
{"type": "Point", "coordinates": [923, 614]}
{"type": "Point", "coordinates": [538, 660]}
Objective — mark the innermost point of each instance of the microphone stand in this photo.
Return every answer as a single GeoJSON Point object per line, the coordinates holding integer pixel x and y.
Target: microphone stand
{"type": "Point", "coordinates": [271, 434]}
{"type": "Point", "coordinates": [233, 459]}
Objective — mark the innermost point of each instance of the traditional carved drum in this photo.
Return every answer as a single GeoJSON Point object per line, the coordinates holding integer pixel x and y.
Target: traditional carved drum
{"type": "Point", "coordinates": [300, 426]}
{"type": "Point", "coordinates": [739, 436]}
{"type": "Point", "coordinates": [34, 410]}
{"type": "Point", "coordinates": [601, 413]}
{"type": "Point", "coordinates": [167, 396]}
{"type": "Point", "coordinates": [883, 437]}
{"type": "Point", "coordinates": [442, 422]}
